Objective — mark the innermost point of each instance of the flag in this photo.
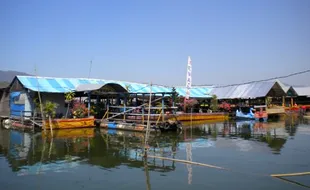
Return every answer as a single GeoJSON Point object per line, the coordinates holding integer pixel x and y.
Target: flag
{"type": "Point", "coordinates": [188, 78]}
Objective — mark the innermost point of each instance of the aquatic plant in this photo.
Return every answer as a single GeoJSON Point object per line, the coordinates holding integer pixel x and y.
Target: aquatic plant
{"type": "Point", "coordinates": [225, 106]}
{"type": "Point", "coordinates": [79, 109]}
{"type": "Point", "coordinates": [214, 103]}
{"type": "Point", "coordinates": [49, 109]}
{"type": "Point", "coordinates": [69, 96]}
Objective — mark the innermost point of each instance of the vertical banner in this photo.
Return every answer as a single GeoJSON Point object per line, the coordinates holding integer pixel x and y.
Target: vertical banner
{"type": "Point", "coordinates": [188, 78]}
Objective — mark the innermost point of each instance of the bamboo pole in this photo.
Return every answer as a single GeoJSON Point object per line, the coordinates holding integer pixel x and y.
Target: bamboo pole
{"type": "Point", "coordinates": [133, 108]}
{"type": "Point", "coordinates": [40, 101]}
{"type": "Point", "coordinates": [105, 114]}
{"type": "Point", "coordinates": [290, 174]}
{"type": "Point", "coordinates": [147, 175]}
{"type": "Point", "coordinates": [148, 123]}
{"type": "Point", "coordinates": [159, 117]}
{"type": "Point", "coordinates": [50, 149]}
{"type": "Point", "coordinates": [188, 162]}
{"type": "Point", "coordinates": [51, 125]}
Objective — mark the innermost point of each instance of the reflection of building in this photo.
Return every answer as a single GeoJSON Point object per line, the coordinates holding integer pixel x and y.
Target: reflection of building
{"type": "Point", "coordinates": [28, 154]}
{"type": "Point", "coordinates": [254, 133]}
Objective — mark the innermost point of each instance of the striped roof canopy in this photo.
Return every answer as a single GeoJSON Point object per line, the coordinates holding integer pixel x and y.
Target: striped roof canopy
{"type": "Point", "coordinates": [196, 91]}
{"type": "Point", "coordinates": [62, 85]}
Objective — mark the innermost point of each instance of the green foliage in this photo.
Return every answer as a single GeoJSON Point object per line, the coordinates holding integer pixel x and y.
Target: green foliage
{"type": "Point", "coordinates": [268, 101]}
{"type": "Point", "coordinates": [214, 103]}
{"type": "Point", "coordinates": [175, 96]}
{"type": "Point", "coordinates": [49, 108]}
{"type": "Point", "coordinates": [69, 96]}
{"type": "Point", "coordinates": [36, 103]}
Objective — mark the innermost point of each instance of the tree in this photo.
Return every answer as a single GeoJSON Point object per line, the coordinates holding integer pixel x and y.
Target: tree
{"type": "Point", "coordinates": [174, 97]}
{"type": "Point", "coordinates": [69, 96]}
{"type": "Point", "coordinates": [214, 104]}
{"type": "Point", "coordinates": [49, 109]}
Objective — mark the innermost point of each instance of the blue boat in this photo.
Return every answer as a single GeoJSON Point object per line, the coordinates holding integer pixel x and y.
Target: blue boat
{"type": "Point", "coordinates": [245, 116]}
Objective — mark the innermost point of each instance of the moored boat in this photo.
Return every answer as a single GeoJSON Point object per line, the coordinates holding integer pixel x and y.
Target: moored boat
{"type": "Point", "coordinates": [241, 115]}
{"type": "Point", "coordinates": [71, 123]}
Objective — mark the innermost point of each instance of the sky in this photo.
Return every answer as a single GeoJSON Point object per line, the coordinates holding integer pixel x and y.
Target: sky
{"type": "Point", "coordinates": [149, 41]}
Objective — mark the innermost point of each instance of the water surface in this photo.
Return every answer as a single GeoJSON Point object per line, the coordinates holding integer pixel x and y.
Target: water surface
{"type": "Point", "coordinates": [107, 159]}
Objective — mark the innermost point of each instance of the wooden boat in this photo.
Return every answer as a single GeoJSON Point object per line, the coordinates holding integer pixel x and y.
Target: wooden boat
{"type": "Point", "coordinates": [183, 117]}
{"type": "Point", "coordinates": [125, 126]}
{"type": "Point", "coordinates": [201, 116]}
{"type": "Point", "coordinates": [71, 123]}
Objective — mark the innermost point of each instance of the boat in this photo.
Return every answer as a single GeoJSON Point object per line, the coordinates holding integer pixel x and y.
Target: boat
{"type": "Point", "coordinates": [261, 114]}
{"type": "Point", "coordinates": [220, 116]}
{"type": "Point", "coordinates": [169, 125]}
{"type": "Point", "coordinates": [71, 123]}
{"type": "Point", "coordinates": [240, 115]}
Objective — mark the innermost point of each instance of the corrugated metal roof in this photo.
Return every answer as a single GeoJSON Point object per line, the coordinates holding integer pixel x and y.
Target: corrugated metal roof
{"type": "Point", "coordinates": [196, 92]}
{"type": "Point", "coordinates": [88, 87]}
{"type": "Point", "coordinates": [61, 85]}
{"type": "Point", "coordinates": [303, 91]}
{"type": "Point", "coordinates": [285, 87]}
{"type": "Point", "coordinates": [244, 91]}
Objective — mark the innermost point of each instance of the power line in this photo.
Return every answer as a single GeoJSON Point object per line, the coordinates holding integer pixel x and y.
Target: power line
{"type": "Point", "coordinates": [263, 80]}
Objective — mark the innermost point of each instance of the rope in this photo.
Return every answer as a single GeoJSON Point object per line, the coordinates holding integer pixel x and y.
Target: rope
{"type": "Point", "coordinates": [263, 80]}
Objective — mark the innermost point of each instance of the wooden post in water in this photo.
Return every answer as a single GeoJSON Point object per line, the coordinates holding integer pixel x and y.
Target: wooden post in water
{"type": "Point", "coordinates": [148, 124]}
{"type": "Point", "coordinates": [143, 109]}
{"type": "Point", "coordinates": [163, 107]}
{"type": "Point", "coordinates": [88, 106]}
{"type": "Point", "coordinates": [51, 126]}
{"type": "Point", "coordinates": [41, 107]}
{"type": "Point", "coordinates": [147, 175]}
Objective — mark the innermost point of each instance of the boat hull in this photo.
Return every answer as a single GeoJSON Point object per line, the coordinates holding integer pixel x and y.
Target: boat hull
{"type": "Point", "coordinates": [185, 117]}
{"type": "Point", "coordinates": [124, 126]}
{"type": "Point", "coordinates": [71, 123]}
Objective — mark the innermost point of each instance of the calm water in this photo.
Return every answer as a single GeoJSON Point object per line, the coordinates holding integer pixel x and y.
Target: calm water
{"type": "Point", "coordinates": [101, 159]}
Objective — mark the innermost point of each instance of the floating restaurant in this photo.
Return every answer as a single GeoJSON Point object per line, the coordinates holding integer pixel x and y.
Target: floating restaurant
{"type": "Point", "coordinates": [128, 105]}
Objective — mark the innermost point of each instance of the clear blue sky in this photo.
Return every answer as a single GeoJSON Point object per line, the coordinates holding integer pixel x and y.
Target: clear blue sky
{"type": "Point", "coordinates": [228, 41]}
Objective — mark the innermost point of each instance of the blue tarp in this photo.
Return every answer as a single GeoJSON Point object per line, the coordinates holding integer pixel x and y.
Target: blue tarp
{"type": "Point", "coordinates": [16, 109]}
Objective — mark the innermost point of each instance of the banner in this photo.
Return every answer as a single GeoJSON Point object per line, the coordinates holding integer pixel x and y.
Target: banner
{"type": "Point", "coordinates": [188, 78]}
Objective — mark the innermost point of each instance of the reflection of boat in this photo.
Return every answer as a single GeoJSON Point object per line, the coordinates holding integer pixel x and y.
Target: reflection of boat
{"type": "Point", "coordinates": [197, 143]}
{"type": "Point", "coordinates": [71, 133]}
{"type": "Point", "coordinates": [245, 116]}
{"type": "Point", "coordinates": [72, 123]}
{"type": "Point", "coordinates": [250, 123]}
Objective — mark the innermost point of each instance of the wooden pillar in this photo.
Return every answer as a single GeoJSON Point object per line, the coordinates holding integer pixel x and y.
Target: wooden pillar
{"type": "Point", "coordinates": [97, 99]}
{"type": "Point", "coordinates": [142, 108]}
{"type": "Point", "coordinates": [283, 101]}
{"type": "Point", "coordinates": [118, 100]}
{"type": "Point", "coordinates": [125, 102]}
{"type": "Point", "coordinates": [88, 93]}
{"type": "Point", "coordinates": [163, 107]}
{"type": "Point", "coordinates": [292, 102]}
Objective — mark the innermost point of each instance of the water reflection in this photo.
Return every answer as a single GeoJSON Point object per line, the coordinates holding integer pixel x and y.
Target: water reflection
{"type": "Point", "coordinates": [107, 149]}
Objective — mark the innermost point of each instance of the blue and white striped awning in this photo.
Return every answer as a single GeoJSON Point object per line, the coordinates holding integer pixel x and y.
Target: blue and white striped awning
{"type": "Point", "coordinates": [196, 91]}
{"type": "Point", "coordinates": [62, 85]}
